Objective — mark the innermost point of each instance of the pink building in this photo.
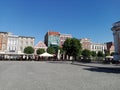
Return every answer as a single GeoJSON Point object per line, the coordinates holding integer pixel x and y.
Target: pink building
{"type": "Point", "coordinates": [40, 45]}
{"type": "Point", "coordinates": [63, 37]}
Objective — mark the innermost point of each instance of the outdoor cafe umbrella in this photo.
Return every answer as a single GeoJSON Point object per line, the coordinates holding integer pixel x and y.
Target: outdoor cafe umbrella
{"type": "Point", "coordinates": [109, 57]}
{"type": "Point", "coordinates": [46, 55]}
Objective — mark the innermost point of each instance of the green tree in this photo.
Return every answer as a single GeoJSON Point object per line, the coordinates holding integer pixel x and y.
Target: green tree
{"type": "Point", "coordinates": [107, 53]}
{"type": "Point", "coordinates": [112, 54]}
{"type": "Point", "coordinates": [40, 51]}
{"type": "Point", "coordinates": [86, 54]}
{"type": "Point", "coordinates": [29, 50]}
{"type": "Point", "coordinates": [100, 54]}
{"type": "Point", "coordinates": [67, 47]}
{"type": "Point", "coordinates": [93, 54]}
{"type": "Point", "coordinates": [61, 50]}
{"type": "Point", "coordinates": [51, 50]}
{"type": "Point", "coordinates": [72, 47]}
{"type": "Point", "coordinates": [75, 47]}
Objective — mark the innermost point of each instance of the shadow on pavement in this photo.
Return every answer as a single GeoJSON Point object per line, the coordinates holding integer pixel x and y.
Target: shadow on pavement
{"type": "Point", "coordinates": [59, 62]}
{"type": "Point", "coordinates": [114, 69]}
{"type": "Point", "coordinates": [104, 69]}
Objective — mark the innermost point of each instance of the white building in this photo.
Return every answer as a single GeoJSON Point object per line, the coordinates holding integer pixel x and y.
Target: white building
{"type": "Point", "coordinates": [16, 44]}
{"type": "Point", "coordinates": [24, 42]}
{"type": "Point", "coordinates": [116, 35]}
{"type": "Point", "coordinates": [98, 47]}
{"type": "Point", "coordinates": [88, 44]}
{"type": "Point", "coordinates": [12, 44]}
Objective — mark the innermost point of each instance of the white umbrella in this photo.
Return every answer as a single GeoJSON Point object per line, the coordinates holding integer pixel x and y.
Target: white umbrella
{"type": "Point", "coordinates": [109, 56]}
{"type": "Point", "coordinates": [46, 55]}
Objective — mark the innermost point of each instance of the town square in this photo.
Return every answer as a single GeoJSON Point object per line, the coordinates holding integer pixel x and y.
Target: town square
{"type": "Point", "coordinates": [59, 45]}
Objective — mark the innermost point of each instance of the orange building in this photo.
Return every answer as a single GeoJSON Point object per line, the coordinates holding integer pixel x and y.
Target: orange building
{"type": "Point", "coordinates": [3, 41]}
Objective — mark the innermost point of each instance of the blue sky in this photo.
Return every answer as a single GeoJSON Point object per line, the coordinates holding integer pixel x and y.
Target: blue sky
{"type": "Point", "coordinates": [81, 18]}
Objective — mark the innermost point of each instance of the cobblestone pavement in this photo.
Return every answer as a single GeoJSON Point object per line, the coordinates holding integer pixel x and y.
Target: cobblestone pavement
{"type": "Point", "coordinates": [33, 75]}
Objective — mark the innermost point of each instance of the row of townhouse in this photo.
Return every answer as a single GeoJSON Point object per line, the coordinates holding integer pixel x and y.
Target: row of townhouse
{"type": "Point", "coordinates": [57, 39]}
{"type": "Point", "coordinates": [52, 38]}
{"type": "Point", "coordinates": [88, 44]}
{"type": "Point", "coordinates": [10, 43]}
{"type": "Point", "coordinates": [13, 44]}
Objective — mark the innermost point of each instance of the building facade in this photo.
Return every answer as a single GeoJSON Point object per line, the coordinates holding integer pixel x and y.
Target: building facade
{"type": "Point", "coordinates": [63, 37]}
{"type": "Point", "coordinates": [23, 42]}
{"type": "Point", "coordinates": [110, 47]}
{"type": "Point", "coordinates": [52, 38]}
{"type": "Point", "coordinates": [116, 35]}
{"type": "Point", "coordinates": [89, 45]}
{"type": "Point", "coordinates": [98, 47]}
{"type": "Point", "coordinates": [40, 45]}
{"type": "Point", "coordinates": [16, 44]}
{"type": "Point", "coordinates": [86, 43]}
{"type": "Point", "coordinates": [12, 44]}
{"type": "Point", "coordinates": [3, 41]}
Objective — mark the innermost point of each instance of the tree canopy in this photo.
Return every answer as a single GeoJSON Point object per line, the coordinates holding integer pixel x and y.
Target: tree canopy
{"type": "Point", "coordinates": [67, 46]}
{"type": "Point", "coordinates": [29, 50]}
{"type": "Point", "coordinates": [51, 50]}
{"type": "Point", "coordinates": [86, 53]}
{"type": "Point", "coordinates": [112, 54]}
{"type": "Point", "coordinates": [100, 54]}
{"type": "Point", "coordinates": [72, 47]}
{"type": "Point", "coordinates": [93, 54]}
{"type": "Point", "coordinates": [40, 51]}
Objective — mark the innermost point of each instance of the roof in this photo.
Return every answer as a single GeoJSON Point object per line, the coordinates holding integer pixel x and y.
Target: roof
{"type": "Point", "coordinates": [53, 33]}
{"type": "Point", "coordinates": [4, 32]}
{"type": "Point", "coordinates": [26, 37]}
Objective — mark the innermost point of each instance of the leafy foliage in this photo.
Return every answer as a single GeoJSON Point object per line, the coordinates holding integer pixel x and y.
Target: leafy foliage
{"type": "Point", "coordinates": [61, 49]}
{"type": "Point", "coordinates": [86, 53]}
{"type": "Point", "coordinates": [100, 54]}
{"type": "Point", "coordinates": [72, 47]}
{"type": "Point", "coordinates": [40, 51]}
{"type": "Point", "coordinates": [29, 50]}
{"type": "Point", "coordinates": [67, 46]}
{"type": "Point", "coordinates": [112, 54]}
{"type": "Point", "coordinates": [51, 50]}
{"type": "Point", "coordinates": [75, 47]}
{"type": "Point", "coordinates": [107, 53]}
{"type": "Point", "coordinates": [93, 54]}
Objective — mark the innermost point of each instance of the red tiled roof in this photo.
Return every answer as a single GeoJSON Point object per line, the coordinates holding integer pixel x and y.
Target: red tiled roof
{"type": "Point", "coordinates": [53, 33]}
